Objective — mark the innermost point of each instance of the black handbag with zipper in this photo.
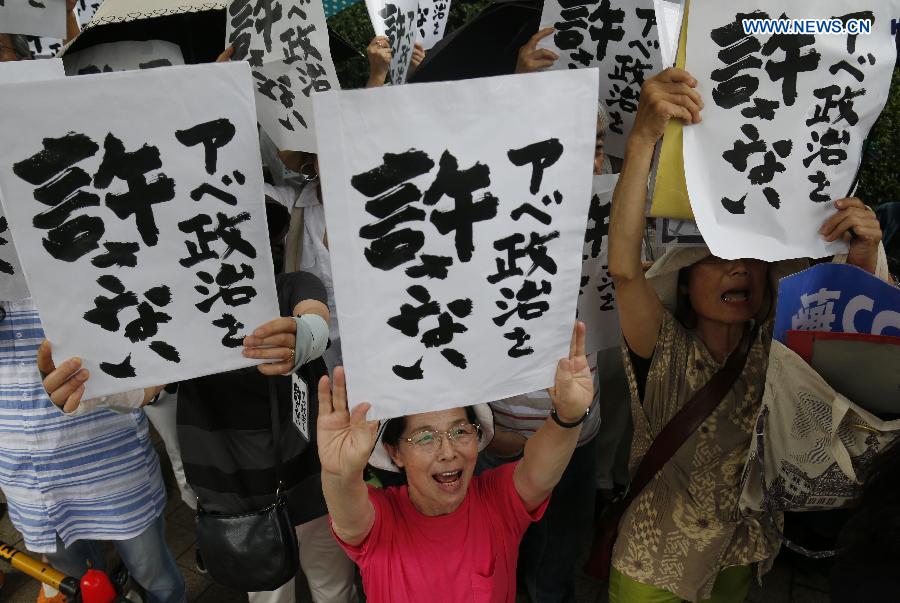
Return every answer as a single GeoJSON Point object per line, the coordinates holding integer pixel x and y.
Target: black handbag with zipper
{"type": "Point", "coordinates": [255, 551]}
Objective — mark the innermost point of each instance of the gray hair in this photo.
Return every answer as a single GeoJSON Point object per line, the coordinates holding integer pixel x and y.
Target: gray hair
{"type": "Point", "coordinates": [602, 118]}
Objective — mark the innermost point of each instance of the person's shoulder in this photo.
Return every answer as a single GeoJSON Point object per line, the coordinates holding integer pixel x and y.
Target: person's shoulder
{"type": "Point", "coordinates": [297, 278]}
{"type": "Point", "coordinates": [491, 481]}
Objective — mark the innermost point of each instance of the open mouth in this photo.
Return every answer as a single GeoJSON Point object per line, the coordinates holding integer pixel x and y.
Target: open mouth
{"type": "Point", "coordinates": [736, 296]}
{"type": "Point", "coordinates": [448, 479]}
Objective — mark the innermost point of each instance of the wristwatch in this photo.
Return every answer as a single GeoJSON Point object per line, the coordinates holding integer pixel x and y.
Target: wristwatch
{"type": "Point", "coordinates": [565, 425]}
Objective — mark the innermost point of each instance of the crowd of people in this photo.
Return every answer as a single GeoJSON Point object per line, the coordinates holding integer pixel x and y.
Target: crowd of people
{"type": "Point", "coordinates": [474, 503]}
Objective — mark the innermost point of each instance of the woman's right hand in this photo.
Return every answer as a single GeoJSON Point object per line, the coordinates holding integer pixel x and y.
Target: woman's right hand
{"type": "Point", "coordinates": [65, 384]}
{"type": "Point", "coordinates": [531, 58]}
{"type": "Point", "coordinates": [345, 439]}
{"type": "Point", "coordinates": [379, 55]}
{"type": "Point", "coordinates": [667, 95]}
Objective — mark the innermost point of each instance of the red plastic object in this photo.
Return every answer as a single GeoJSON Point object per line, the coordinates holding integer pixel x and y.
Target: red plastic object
{"type": "Point", "coordinates": [96, 587]}
{"type": "Point", "coordinates": [802, 342]}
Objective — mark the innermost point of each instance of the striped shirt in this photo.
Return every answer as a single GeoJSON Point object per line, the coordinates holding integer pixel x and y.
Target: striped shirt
{"type": "Point", "coordinates": [524, 414]}
{"type": "Point", "coordinates": [94, 476]}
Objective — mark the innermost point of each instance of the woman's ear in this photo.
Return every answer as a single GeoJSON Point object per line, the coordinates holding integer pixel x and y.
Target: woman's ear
{"type": "Point", "coordinates": [394, 453]}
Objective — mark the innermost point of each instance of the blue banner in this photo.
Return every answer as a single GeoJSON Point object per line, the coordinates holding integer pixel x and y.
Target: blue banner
{"type": "Point", "coordinates": [837, 298]}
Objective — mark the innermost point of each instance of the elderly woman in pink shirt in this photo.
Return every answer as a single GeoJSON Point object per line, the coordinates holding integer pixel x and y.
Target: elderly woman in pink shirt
{"type": "Point", "coordinates": [446, 535]}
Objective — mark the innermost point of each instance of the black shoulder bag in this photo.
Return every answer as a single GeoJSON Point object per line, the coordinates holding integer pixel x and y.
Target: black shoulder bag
{"type": "Point", "coordinates": [255, 551]}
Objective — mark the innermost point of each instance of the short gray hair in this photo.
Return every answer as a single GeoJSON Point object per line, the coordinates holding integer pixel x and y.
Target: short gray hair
{"type": "Point", "coordinates": [602, 119]}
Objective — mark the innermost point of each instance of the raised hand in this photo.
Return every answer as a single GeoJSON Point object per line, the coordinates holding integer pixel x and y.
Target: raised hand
{"type": "Point", "coordinates": [64, 385]}
{"type": "Point", "coordinates": [531, 58]}
{"type": "Point", "coordinates": [379, 55]}
{"type": "Point", "coordinates": [345, 440]}
{"type": "Point", "coordinates": [667, 95]}
{"type": "Point", "coordinates": [858, 225]}
{"type": "Point", "coordinates": [573, 390]}
{"type": "Point", "coordinates": [418, 55]}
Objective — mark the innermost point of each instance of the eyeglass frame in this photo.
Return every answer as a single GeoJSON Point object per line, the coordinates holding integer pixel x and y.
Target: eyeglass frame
{"type": "Point", "coordinates": [440, 433]}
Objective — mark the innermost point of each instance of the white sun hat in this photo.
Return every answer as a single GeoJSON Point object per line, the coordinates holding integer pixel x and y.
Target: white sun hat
{"type": "Point", "coordinates": [382, 460]}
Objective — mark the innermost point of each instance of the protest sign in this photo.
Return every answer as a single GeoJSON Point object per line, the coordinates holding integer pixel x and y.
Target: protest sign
{"type": "Point", "coordinates": [13, 286]}
{"type": "Point", "coordinates": [123, 56]}
{"type": "Point", "coordinates": [144, 241]}
{"type": "Point", "coordinates": [619, 37]}
{"type": "Point", "coordinates": [397, 20]}
{"type": "Point", "coordinates": [34, 17]}
{"type": "Point", "coordinates": [783, 125]}
{"type": "Point", "coordinates": [597, 294]}
{"type": "Point", "coordinates": [43, 47]}
{"type": "Point", "coordinates": [286, 44]}
{"type": "Point", "coordinates": [432, 21]}
{"type": "Point", "coordinates": [837, 298]}
{"type": "Point", "coordinates": [668, 25]}
{"type": "Point", "coordinates": [456, 243]}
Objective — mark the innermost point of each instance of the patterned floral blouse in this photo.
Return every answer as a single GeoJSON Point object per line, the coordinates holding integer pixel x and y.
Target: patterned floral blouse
{"type": "Point", "coordinates": [685, 526]}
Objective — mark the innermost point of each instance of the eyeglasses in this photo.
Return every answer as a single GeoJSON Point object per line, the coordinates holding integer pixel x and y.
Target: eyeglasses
{"type": "Point", "coordinates": [430, 439]}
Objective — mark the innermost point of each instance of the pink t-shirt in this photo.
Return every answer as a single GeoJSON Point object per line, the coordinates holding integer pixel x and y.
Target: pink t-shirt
{"type": "Point", "coordinates": [466, 556]}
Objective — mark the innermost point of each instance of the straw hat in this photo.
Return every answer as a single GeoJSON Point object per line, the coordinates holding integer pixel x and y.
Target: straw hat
{"type": "Point", "coordinates": [663, 275]}
{"type": "Point", "coordinates": [382, 460]}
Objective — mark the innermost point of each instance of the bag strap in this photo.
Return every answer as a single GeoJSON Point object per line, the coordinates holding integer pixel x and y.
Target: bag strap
{"type": "Point", "coordinates": [293, 249]}
{"type": "Point", "coordinates": [276, 434]}
{"type": "Point", "coordinates": [687, 421]}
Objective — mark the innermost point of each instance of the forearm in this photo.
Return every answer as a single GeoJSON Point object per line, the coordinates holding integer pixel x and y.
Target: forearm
{"type": "Point", "coordinates": [546, 456]}
{"type": "Point", "coordinates": [73, 28]}
{"type": "Point", "coordinates": [352, 513]}
{"type": "Point", "coordinates": [626, 223]}
{"type": "Point", "coordinates": [868, 262]}
{"type": "Point", "coordinates": [376, 80]}
{"type": "Point", "coordinates": [312, 306]}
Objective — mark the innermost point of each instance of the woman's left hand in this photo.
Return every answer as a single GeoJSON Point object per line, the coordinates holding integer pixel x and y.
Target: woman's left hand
{"type": "Point", "coordinates": [858, 225]}
{"type": "Point", "coordinates": [418, 55]}
{"type": "Point", "coordinates": [273, 341]}
{"type": "Point", "coordinates": [573, 390]}
{"type": "Point", "coordinates": [225, 55]}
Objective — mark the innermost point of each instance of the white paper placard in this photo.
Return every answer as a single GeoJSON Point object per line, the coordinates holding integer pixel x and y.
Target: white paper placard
{"type": "Point", "coordinates": [783, 124]}
{"type": "Point", "coordinates": [432, 21]}
{"type": "Point", "coordinates": [144, 241]}
{"type": "Point", "coordinates": [33, 17]}
{"type": "Point", "coordinates": [396, 19]}
{"type": "Point", "coordinates": [669, 14]}
{"type": "Point", "coordinates": [617, 36]}
{"type": "Point", "coordinates": [15, 72]}
{"type": "Point", "coordinates": [456, 265]}
{"type": "Point", "coordinates": [286, 43]}
{"type": "Point", "coordinates": [123, 56]}
{"type": "Point", "coordinates": [13, 285]}
{"type": "Point", "coordinates": [597, 295]}
{"type": "Point", "coordinates": [48, 47]}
